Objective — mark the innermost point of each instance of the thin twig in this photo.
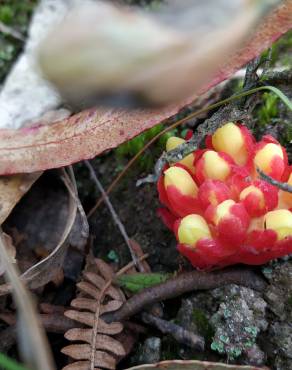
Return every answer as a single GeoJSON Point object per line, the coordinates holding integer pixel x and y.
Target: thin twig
{"type": "Point", "coordinates": [281, 185]}
{"type": "Point", "coordinates": [173, 156]}
{"type": "Point", "coordinates": [281, 77]}
{"type": "Point", "coordinates": [180, 334]}
{"type": "Point", "coordinates": [11, 32]}
{"type": "Point", "coordinates": [73, 192]}
{"type": "Point", "coordinates": [114, 215]}
{"type": "Point", "coordinates": [251, 78]}
{"type": "Point", "coordinates": [186, 282]}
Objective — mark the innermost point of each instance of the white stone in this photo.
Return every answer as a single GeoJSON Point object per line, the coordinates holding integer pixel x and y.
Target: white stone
{"type": "Point", "coordinates": [25, 95]}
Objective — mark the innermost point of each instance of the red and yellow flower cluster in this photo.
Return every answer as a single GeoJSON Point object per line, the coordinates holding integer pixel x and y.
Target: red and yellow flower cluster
{"type": "Point", "coordinates": [221, 212]}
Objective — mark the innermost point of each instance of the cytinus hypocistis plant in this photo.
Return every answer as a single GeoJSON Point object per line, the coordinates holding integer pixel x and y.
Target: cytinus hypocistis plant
{"type": "Point", "coordinates": [219, 208]}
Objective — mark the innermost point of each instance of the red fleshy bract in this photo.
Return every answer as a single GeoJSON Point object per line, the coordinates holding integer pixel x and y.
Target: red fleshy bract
{"type": "Point", "coordinates": [257, 205]}
{"type": "Point", "coordinates": [213, 192]}
{"type": "Point", "coordinates": [182, 204]}
{"type": "Point", "coordinates": [167, 217]}
{"type": "Point", "coordinates": [232, 229]}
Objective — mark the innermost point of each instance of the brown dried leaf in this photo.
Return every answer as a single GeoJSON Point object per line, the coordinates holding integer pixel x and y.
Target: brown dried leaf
{"type": "Point", "coordinates": [103, 342]}
{"type": "Point", "coordinates": [79, 365]}
{"type": "Point", "coordinates": [87, 318]}
{"type": "Point", "coordinates": [42, 272]}
{"type": "Point", "coordinates": [99, 282]}
{"type": "Point", "coordinates": [101, 350]}
{"type": "Point", "coordinates": [83, 352]}
{"type": "Point", "coordinates": [90, 304]}
{"type": "Point", "coordinates": [12, 188]}
{"type": "Point", "coordinates": [10, 250]}
{"type": "Point", "coordinates": [104, 269]}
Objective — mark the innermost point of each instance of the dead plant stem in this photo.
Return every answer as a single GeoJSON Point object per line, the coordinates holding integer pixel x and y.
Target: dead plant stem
{"type": "Point", "coordinates": [114, 215]}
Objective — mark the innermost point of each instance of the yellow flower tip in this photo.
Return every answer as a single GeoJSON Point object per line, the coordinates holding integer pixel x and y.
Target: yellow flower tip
{"type": "Point", "coordinates": [192, 228]}
{"type": "Point", "coordinates": [229, 139]}
{"type": "Point", "coordinates": [173, 142]}
{"type": "Point", "coordinates": [182, 180]}
{"type": "Point", "coordinates": [264, 156]}
{"type": "Point", "coordinates": [215, 167]}
{"type": "Point", "coordinates": [280, 221]}
{"type": "Point", "coordinates": [253, 190]}
{"type": "Point", "coordinates": [223, 210]}
{"type": "Point", "coordinates": [187, 161]}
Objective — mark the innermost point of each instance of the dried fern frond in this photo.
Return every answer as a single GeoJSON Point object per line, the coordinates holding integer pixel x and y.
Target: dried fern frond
{"type": "Point", "coordinates": [95, 347]}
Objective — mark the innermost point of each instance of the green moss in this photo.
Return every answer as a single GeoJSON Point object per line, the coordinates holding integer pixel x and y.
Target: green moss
{"type": "Point", "coordinates": [170, 348]}
{"type": "Point", "coordinates": [282, 50]}
{"type": "Point", "coordinates": [269, 109]}
{"type": "Point", "coordinates": [289, 300]}
{"type": "Point", "coordinates": [152, 4]}
{"type": "Point", "coordinates": [133, 146]}
{"type": "Point", "coordinates": [287, 134]}
{"type": "Point", "coordinates": [203, 324]}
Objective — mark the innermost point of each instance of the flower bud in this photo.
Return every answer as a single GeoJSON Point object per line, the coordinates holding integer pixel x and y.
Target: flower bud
{"type": "Point", "coordinates": [191, 229]}
{"type": "Point", "coordinates": [213, 166]}
{"type": "Point", "coordinates": [206, 254]}
{"type": "Point", "coordinates": [233, 140]}
{"type": "Point", "coordinates": [222, 211]}
{"type": "Point", "coordinates": [280, 221]}
{"type": "Point", "coordinates": [213, 192]}
{"type": "Point", "coordinates": [231, 220]}
{"type": "Point", "coordinates": [173, 142]}
{"type": "Point", "coordinates": [259, 198]}
{"type": "Point", "coordinates": [253, 200]}
{"type": "Point", "coordinates": [181, 191]}
{"type": "Point", "coordinates": [181, 179]}
{"type": "Point", "coordinates": [187, 161]}
{"type": "Point", "coordinates": [270, 159]}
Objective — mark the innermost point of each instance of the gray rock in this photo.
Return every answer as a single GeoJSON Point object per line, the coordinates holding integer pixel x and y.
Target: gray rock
{"type": "Point", "coordinates": [150, 351]}
{"type": "Point", "coordinates": [195, 313]}
{"type": "Point", "coordinates": [254, 356]}
{"type": "Point", "coordinates": [279, 297]}
{"type": "Point", "coordinates": [25, 95]}
{"type": "Point", "coordinates": [279, 292]}
{"type": "Point", "coordinates": [282, 364]}
{"type": "Point", "coordinates": [238, 321]}
{"type": "Point", "coordinates": [280, 334]}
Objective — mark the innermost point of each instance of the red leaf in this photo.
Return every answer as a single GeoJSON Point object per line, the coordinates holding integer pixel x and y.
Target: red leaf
{"type": "Point", "coordinates": [91, 132]}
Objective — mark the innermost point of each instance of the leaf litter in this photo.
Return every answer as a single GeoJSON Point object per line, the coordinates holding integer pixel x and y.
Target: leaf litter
{"type": "Point", "coordinates": [95, 335]}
